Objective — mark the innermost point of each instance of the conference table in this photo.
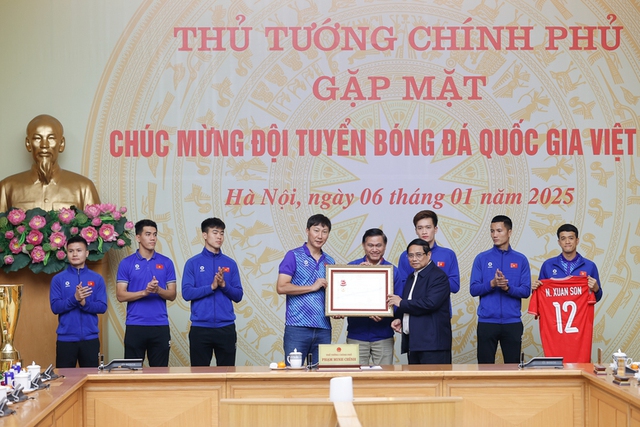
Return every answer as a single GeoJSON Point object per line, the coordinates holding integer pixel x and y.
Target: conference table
{"type": "Point", "coordinates": [491, 395]}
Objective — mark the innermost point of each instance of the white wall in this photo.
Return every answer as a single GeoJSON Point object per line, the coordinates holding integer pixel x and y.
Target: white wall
{"type": "Point", "coordinates": [52, 62]}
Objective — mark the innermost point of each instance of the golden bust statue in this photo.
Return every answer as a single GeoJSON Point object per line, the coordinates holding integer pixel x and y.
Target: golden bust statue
{"type": "Point", "coordinates": [46, 185]}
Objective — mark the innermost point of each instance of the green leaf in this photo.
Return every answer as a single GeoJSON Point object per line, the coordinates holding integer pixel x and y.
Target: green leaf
{"type": "Point", "coordinates": [81, 219]}
{"type": "Point", "coordinates": [54, 266]}
{"type": "Point", "coordinates": [95, 256]}
{"type": "Point", "coordinates": [106, 247]}
{"type": "Point", "coordinates": [20, 261]}
{"type": "Point", "coordinates": [36, 268]}
{"type": "Point", "coordinates": [33, 212]}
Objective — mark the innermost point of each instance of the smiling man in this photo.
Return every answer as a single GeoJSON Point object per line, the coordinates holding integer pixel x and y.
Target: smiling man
{"type": "Point", "coordinates": [563, 300]}
{"type": "Point", "coordinates": [46, 185]}
{"type": "Point", "coordinates": [146, 280]}
{"type": "Point", "coordinates": [501, 278]}
{"type": "Point", "coordinates": [570, 262]}
{"type": "Point", "coordinates": [302, 278]}
{"type": "Point", "coordinates": [373, 334]}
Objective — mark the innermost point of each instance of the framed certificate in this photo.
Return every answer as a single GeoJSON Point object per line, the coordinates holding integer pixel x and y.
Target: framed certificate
{"type": "Point", "coordinates": [358, 290]}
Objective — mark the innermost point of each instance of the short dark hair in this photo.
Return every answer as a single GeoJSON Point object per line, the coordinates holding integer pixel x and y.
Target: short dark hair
{"type": "Point", "coordinates": [424, 215]}
{"type": "Point", "coordinates": [420, 242]}
{"type": "Point", "coordinates": [567, 228]}
{"type": "Point", "coordinates": [372, 232]}
{"type": "Point", "coordinates": [318, 219]}
{"type": "Point", "coordinates": [505, 219]}
{"type": "Point", "coordinates": [210, 223]}
{"type": "Point", "coordinates": [140, 225]}
{"type": "Point", "coordinates": [78, 239]}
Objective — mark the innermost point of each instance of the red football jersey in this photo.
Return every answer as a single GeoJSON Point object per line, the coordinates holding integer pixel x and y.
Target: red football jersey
{"type": "Point", "coordinates": [565, 309]}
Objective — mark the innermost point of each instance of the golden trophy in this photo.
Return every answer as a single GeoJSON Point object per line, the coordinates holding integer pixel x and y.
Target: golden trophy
{"type": "Point", "coordinates": [10, 297]}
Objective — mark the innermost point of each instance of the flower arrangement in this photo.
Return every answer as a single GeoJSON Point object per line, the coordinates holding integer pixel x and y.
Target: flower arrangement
{"type": "Point", "coordinates": [36, 238]}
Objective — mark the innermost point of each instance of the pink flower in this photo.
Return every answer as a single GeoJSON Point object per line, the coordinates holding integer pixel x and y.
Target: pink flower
{"type": "Point", "coordinates": [92, 211]}
{"type": "Point", "coordinates": [90, 234]}
{"type": "Point", "coordinates": [16, 216]}
{"type": "Point", "coordinates": [108, 233]}
{"type": "Point", "coordinates": [107, 207]}
{"type": "Point", "coordinates": [129, 225]}
{"type": "Point", "coordinates": [96, 222]}
{"type": "Point", "coordinates": [57, 240]}
{"type": "Point", "coordinates": [15, 246]}
{"type": "Point", "coordinates": [37, 222]}
{"type": "Point", "coordinates": [123, 210]}
{"type": "Point", "coordinates": [56, 226]}
{"type": "Point", "coordinates": [73, 231]}
{"type": "Point", "coordinates": [8, 259]}
{"type": "Point", "coordinates": [120, 242]}
{"type": "Point", "coordinates": [60, 255]}
{"type": "Point", "coordinates": [9, 235]}
{"type": "Point", "coordinates": [34, 237]}
{"type": "Point", "coordinates": [117, 215]}
{"type": "Point", "coordinates": [20, 229]}
{"type": "Point", "coordinates": [37, 254]}
{"type": "Point", "coordinates": [66, 215]}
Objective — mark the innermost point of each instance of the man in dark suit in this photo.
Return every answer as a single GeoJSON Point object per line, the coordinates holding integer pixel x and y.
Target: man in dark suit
{"type": "Point", "coordinates": [422, 314]}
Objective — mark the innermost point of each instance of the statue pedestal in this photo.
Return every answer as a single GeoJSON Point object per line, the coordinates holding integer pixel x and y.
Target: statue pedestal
{"type": "Point", "coordinates": [35, 336]}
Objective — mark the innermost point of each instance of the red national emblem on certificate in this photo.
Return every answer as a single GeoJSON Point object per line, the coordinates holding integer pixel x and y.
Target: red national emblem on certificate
{"type": "Point", "coordinates": [343, 282]}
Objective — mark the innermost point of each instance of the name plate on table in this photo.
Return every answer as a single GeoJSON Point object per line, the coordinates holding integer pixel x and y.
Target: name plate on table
{"type": "Point", "coordinates": [331, 356]}
{"type": "Point", "coordinates": [358, 290]}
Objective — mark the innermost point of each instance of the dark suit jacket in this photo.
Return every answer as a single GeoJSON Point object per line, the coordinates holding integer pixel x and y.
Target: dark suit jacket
{"type": "Point", "coordinates": [428, 309]}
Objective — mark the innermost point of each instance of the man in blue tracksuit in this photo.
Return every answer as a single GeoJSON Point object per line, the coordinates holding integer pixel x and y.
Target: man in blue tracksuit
{"type": "Point", "coordinates": [211, 282]}
{"type": "Point", "coordinates": [77, 295]}
{"type": "Point", "coordinates": [501, 278]}
{"type": "Point", "coordinates": [426, 226]}
{"type": "Point", "coordinates": [570, 262]}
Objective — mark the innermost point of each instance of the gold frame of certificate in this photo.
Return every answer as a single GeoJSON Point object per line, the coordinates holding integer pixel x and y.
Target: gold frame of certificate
{"type": "Point", "coordinates": [358, 290]}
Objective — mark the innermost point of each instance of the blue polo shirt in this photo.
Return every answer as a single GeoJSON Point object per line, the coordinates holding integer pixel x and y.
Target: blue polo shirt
{"type": "Point", "coordinates": [136, 272]}
{"type": "Point", "coordinates": [307, 309]}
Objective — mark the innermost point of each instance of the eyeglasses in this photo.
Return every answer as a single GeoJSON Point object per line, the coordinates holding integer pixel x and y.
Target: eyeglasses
{"type": "Point", "coordinates": [416, 255]}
